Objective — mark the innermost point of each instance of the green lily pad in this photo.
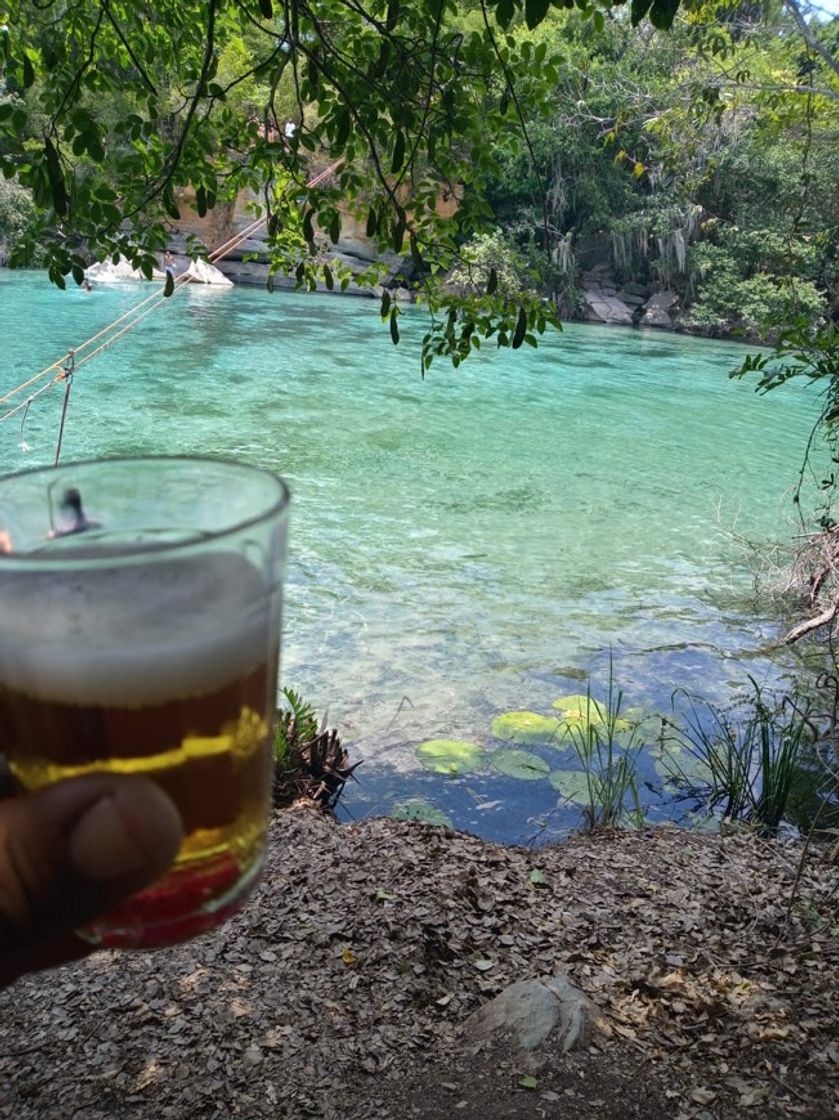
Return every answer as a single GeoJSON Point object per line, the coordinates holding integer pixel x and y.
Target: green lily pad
{"type": "Point", "coordinates": [526, 728]}
{"type": "Point", "coordinates": [450, 756]}
{"type": "Point", "coordinates": [416, 809]}
{"type": "Point", "coordinates": [572, 784]}
{"type": "Point", "coordinates": [520, 764]}
{"type": "Point", "coordinates": [577, 705]}
{"type": "Point", "coordinates": [681, 769]}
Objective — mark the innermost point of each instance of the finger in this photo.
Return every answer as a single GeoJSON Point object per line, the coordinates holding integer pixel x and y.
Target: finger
{"type": "Point", "coordinates": [72, 852]}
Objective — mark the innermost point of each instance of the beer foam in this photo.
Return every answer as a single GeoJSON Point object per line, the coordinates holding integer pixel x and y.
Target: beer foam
{"type": "Point", "coordinates": [133, 634]}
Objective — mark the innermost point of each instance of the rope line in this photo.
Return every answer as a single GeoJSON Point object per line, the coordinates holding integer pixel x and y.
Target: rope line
{"type": "Point", "coordinates": [155, 299]}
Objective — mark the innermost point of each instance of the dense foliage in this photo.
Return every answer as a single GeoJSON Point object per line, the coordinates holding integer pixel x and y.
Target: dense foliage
{"type": "Point", "coordinates": [703, 158]}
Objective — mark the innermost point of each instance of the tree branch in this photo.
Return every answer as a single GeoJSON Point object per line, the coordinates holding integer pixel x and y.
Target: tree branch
{"type": "Point", "coordinates": [809, 38]}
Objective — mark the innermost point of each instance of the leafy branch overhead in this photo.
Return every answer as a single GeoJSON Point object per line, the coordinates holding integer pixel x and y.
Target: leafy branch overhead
{"type": "Point", "coordinates": [112, 111]}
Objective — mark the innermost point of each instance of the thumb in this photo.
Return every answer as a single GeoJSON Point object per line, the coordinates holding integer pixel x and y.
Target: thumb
{"type": "Point", "coordinates": [72, 852]}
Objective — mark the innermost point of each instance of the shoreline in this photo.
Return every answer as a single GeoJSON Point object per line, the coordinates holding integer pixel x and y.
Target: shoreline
{"type": "Point", "coordinates": [341, 989]}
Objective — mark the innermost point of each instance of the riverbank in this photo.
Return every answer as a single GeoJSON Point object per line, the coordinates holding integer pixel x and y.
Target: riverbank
{"type": "Point", "coordinates": [341, 990]}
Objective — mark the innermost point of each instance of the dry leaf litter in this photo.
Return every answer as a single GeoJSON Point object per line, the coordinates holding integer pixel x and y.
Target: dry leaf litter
{"type": "Point", "coordinates": [339, 991]}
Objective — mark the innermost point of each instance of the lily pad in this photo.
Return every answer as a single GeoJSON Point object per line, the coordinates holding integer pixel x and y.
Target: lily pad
{"type": "Point", "coordinates": [527, 728]}
{"type": "Point", "coordinates": [520, 764]}
{"type": "Point", "coordinates": [680, 769]}
{"type": "Point", "coordinates": [584, 711]}
{"type": "Point", "coordinates": [417, 809]}
{"type": "Point", "coordinates": [450, 756]}
{"type": "Point", "coordinates": [572, 784]}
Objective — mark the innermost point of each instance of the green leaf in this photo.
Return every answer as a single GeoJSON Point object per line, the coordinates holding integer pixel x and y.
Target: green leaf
{"type": "Point", "coordinates": [537, 877]}
{"type": "Point", "coordinates": [267, 9]}
{"type": "Point", "coordinates": [328, 278]}
{"type": "Point", "coordinates": [521, 329]}
{"type": "Point", "coordinates": [201, 202]}
{"type": "Point", "coordinates": [308, 227]}
{"type": "Point", "coordinates": [526, 728]}
{"type": "Point", "coordinates": [417, 809]}
{"type": "Point", "coordinates": [169, 286]}
{"type": "Point", "coordinates": [342, 133]}
{"type": "Point", "coordinates": [394, 328]}
{"type": "Point", "coordinates": [416, 255]}
{"type": "Point", "coordinates": [398, 235]}
{"type": "Point", "coordinates": [385, 304]}
{"type": "Point", "coordinates": [28, 73]}
{"type": "Point", "coordinates": [522, 765]}
{"type": "Point", "coordinates": [450, 756]}
{"type": "Point", "coordinates": [170, 206]}
{"type": "Point", "coordinates": [492, 282]}
{"type": "Point", "coordinates": [528, 1082]}
{"type": "Point", "coordinates": [638, 10]}
{"type": "Point", "coordinates": [56, 179]}
{"type": "Point", "coordinates": [335, 228]}
{"type": "Point", "coordinates": [535, 11]}
{"type": "Point", "coordinates": [372, 221]}
{"type": "Point", "coordinates": [572, 784]}
{"type": "Point", "coordinates": [662, 13]}
{"type": "Point", "coordinates": [398, 152]}
{"type": "Point", "coordinates": [504, 12]}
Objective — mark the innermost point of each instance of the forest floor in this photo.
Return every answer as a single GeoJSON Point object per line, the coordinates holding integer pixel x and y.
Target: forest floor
{"type": "Point", "coordinates": [341, 989]}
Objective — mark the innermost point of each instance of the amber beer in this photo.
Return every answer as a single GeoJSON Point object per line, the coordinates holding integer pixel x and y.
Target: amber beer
{"type": "Point", "coordinates": [165, 668]}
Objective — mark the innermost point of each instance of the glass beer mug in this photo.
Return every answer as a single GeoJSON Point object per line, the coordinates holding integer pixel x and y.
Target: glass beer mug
{"type": "Point", "coordinates": [140, 602]}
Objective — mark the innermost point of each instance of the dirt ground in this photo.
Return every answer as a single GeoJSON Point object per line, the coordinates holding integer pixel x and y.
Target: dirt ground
{"type": "Point", "coordinates": [340, 991]}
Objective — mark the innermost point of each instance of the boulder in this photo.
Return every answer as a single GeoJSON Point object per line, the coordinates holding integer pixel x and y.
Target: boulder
{"type": "Point", "coordinates": [106, 272]}
{"type": "Point", "coordinates": [661, 300]}
{"type": "Point", "coordinates": [202, 272]}
{"type": "Point", "coordinates": [656, 317]}
{"type": "Point", "coordinates": [606, 309]}
{"type": "Point", "coordinates": [532, 1013]}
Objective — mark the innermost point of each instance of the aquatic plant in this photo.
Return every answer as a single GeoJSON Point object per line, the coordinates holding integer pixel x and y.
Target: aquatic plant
{"type": "Point", "coordinates": [526, 728]}
{"type": "Point", "coordinates": [608, 787]}
{"type": "Point", "coordinates": [523, 765]}
{"type": "Point", "coordinates": [572, 784]}
{"type": "Point", "coordinates": [418, 809]}
{"type": "Point", "coordinates": [748, 755]}
{"type": "Point", "coordinates": [450, 756]}
{"type": "Point", "coordinates": [579, 709]}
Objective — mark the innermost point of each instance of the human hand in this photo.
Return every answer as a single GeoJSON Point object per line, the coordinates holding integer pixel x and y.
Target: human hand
{"type": "Point", "coordinates": [70, 853]}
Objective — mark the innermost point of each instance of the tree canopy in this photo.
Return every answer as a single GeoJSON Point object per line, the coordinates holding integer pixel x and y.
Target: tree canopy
{"type": "Point", "coordinates": [110, 109]}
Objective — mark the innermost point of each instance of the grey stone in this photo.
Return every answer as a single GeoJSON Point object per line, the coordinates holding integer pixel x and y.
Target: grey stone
{"type": "Point", "coordinates": [662, 300]}
{"type": "Point", "coordinates": [631, 298]}
{"type": "Point", "coordinates": [530, 1012]}
{"type": "Point", "coordinates": [606, 309]}
{"type": "Point", "coordinates": [656, 317]}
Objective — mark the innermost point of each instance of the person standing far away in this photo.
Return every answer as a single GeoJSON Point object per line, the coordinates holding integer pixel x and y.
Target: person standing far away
{"type": "Point", "coordinates": [169, 264]}
{"type": "Point", "coordinates": [289, 129]}
{"type": "Point", "coordinates": [76, 520]}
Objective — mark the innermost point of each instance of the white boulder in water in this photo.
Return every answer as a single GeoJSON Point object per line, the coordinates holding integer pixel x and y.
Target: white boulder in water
{"type": "Point", "coordinates": [197, 272]}
{"type": "Point", "coordinates": [201, 272]}
{"type": "Point", "coordinates": [106, 272]}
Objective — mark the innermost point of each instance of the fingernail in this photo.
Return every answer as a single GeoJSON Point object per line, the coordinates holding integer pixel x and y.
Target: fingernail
{"type": "Point", "coordinates": [126, 834]}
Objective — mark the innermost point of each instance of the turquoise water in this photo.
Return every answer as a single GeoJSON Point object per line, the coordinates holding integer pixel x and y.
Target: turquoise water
{"type": "Point", "coordinates": [459, 543]}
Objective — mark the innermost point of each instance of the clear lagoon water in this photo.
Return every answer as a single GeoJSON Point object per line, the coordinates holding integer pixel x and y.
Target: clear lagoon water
{"type": "Point", "coordinates": [480, 541]}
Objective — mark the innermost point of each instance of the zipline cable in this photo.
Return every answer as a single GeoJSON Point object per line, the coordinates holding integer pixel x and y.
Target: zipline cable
{"type": "Point", "coordinates": [217, 254]}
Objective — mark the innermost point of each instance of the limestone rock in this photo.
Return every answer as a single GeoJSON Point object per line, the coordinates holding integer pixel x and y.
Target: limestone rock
{"type": "Point", "coordinates": [106, 272]}
{"type": "Point", "coordinates": [656, 317]}
{"type": "Point", "coordinates": [202, 272]}
{"type": "Point", "coordinates": [663, 301]}
{"type": "Point", "coordinates": [530, 1012]}
{"type": "Point", "coordinates": [606, 309]}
